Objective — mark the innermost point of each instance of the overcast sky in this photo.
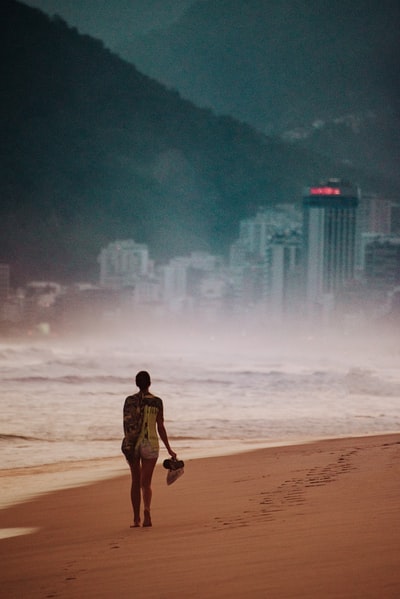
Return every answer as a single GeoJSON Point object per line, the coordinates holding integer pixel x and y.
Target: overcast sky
{"type": "Point", "coordinates": [114, 21]}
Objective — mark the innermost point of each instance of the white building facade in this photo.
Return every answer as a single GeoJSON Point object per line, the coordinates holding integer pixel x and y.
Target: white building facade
{"type": "Point", "coordinates": [329, 243]}
{"type": "Point", "coordinates": [123, 263]}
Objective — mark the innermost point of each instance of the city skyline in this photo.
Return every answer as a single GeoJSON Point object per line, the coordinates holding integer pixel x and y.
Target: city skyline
{"type": "Point", "coordinates": [283, 264]}
{"type": "Point", "coordinates": [95, 150]}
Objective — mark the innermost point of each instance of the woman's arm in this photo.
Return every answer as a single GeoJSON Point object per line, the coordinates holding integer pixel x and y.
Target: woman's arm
{"type": "Point", "coordinates": [163, 434]}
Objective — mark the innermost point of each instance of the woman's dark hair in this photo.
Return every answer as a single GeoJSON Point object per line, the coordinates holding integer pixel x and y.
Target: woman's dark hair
{"type": "Point", "coordinates": [143, 380]}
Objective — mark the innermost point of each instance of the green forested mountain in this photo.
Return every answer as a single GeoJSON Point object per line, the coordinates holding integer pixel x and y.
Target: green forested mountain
{"type": "Point", "coordinates": [92, 151]}
{"type": "Point", "coordinates": [324, 73]}
{"type": "Point", "coordinates": [278, 64]}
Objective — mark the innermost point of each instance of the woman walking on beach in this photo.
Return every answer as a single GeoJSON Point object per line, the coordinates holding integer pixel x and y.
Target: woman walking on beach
{"type": "Point", "coordinates": [143, 419]}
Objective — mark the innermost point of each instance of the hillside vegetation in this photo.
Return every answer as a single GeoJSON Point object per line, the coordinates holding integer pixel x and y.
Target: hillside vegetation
{"type": "Point", "coordinates": [92, 151]}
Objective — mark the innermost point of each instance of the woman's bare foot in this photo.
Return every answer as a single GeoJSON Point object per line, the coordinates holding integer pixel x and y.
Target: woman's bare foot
{"type": "Point", "coordinates": [135, 524]}
{"type": "Point", "coordinates": [147, 518]}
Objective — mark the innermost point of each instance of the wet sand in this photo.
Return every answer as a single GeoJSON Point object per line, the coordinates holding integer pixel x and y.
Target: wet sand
{"type": "Point", "coordinates": [318, 520]}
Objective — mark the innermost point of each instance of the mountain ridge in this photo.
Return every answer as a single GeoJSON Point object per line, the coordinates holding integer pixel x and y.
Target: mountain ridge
{"type": "Point", "coordinates": [93, 150]}
{"type": "Point", "coordinates": [343, 51]}
{"type": "Point", "coordinates": [283, 65]}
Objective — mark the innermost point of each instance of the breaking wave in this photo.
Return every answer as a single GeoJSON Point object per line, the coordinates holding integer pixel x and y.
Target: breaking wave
{"type": "Point", "coordinates": [65, 402]}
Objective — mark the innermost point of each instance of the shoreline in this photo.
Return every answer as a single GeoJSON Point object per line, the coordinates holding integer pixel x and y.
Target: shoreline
{"type": "Point", "coordinates": [311, 520]}
{"type": "Point", "coordinates": [56, 476]}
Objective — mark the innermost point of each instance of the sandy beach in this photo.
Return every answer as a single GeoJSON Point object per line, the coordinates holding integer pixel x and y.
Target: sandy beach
{"type": "Point", "coordinates": [318, 520]}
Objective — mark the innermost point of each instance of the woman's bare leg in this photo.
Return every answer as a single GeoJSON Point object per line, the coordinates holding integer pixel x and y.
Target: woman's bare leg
{"type": "Point", "coordinates": [147, 475]}
{"type": "Point", "coordinates": [135, 490]}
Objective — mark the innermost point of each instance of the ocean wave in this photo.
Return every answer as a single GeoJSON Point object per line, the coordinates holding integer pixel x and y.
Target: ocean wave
{"type": "Point", "coordinates": [15, 437]}
{"type": "Point", "coordinates": [59, 437]}
{"type": "Point", "coordinates": [273, 379]}
{"type": "Point", "coordinates": [25, 352]}
{"type": "Point", "coordinates": [70, 379]}
{"type": "Point", "coordinates": [76, 397]}
{"type": "Point", "coordinates": [364, 382]}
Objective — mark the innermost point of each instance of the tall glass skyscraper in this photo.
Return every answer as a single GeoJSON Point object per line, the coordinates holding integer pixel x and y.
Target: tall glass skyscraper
{"type": "Point", "coordinates": [329, 243]}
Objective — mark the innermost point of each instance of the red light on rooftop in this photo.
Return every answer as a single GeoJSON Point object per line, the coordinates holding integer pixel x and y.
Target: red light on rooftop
{"type": "Point", "coordinates": [324, 191]}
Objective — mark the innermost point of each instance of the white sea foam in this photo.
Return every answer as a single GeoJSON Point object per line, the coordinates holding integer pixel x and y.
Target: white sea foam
{"type": "Point", "coordinates": [62, 400]}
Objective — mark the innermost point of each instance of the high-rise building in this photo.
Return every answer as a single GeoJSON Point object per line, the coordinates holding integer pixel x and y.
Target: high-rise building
{"type": "Point", "coordinates": [284, 275]}
{"type": "Point", "coordinates": [376, 214]}
{"type": "Point", "coordinates": [122, 263]}
{"type": "Point", "coordinates": [329, 243]}
{"type": "Point", "coordinates": [395, 218]}
{"type": "Point", "coordinates": [4, 282]}
{"type": "Point", "coordinates": [4, 288]}
{"type": "Point", "coordinates": [183, 278]}
{"type": "Point", "coordinates": [256, 232]}
{"type": "Point", "coordinates": [382, 262]}
{"type": "Point", "coordinates": [256, 278]}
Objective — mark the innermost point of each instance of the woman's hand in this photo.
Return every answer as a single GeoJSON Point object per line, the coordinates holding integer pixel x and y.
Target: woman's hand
{"type": "Point", "coordinates": [172, 454]}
